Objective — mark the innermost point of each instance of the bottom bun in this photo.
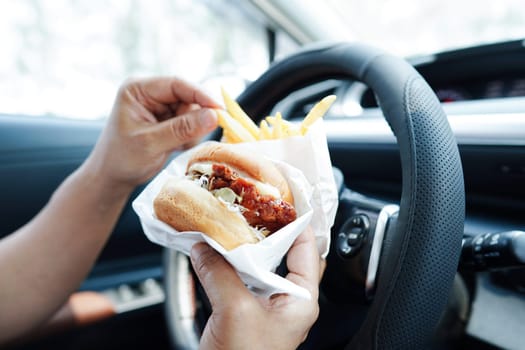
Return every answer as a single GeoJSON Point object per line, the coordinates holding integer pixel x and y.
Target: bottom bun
{"type": "Point", "coordinates": [185, 206]}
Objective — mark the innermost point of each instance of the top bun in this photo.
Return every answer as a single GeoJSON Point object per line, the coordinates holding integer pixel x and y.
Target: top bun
{"type": "Point", "coordinates": [258, 168]}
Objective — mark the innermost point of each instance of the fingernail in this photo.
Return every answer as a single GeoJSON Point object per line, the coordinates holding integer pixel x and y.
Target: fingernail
{"type": "Point", "coordinates": [208, 118]}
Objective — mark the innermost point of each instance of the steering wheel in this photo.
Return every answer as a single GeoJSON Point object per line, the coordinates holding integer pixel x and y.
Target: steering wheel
{"type": "Point", "coordinates": [416, 250]}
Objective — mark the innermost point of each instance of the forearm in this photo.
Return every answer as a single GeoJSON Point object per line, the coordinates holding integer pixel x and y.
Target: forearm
{"type": "Point", "coordinates": [47, 259]}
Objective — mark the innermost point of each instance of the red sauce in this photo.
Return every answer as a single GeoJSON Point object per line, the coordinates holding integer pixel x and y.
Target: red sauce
{"type": "Point", "coordinates": [261, 210]}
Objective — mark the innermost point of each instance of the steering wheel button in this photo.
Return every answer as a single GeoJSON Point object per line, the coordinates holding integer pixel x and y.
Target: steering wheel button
{"type": "Point", "coordinates": [354, 238]}
{"type": "Point", "coordinates": [347, 250]}
{"type": "Point", "coordinates": [352, 235]}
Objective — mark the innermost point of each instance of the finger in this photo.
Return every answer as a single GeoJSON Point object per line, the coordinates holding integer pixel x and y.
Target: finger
{"type": "Point", "coordinates": [188, 145]}
{"type": "Point", "coordinates": [166, 91]}
{"type": "Point", "coordinates": [175, 109]}
{"type": "Point", "coordinates": [186, 108]}
{"type": "Point", "coordinates": [220, 281]}
{"type": "Point", "coordinates": [183, 129]}
{"type": "Point", "coordinates": [303, 263]}
{"type": "Point", "coordinates": [322, 267]}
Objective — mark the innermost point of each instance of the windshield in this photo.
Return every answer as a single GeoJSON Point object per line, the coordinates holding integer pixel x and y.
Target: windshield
{"type": "Point", "coordinates": [67, 58]}
{"type": "Point", "coordinates": [413, 27]}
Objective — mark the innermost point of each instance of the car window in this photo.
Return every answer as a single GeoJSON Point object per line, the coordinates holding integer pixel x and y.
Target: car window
{"type": "Point", "coordinates": [412, 27]}
{"type": "Point", "coordinates": [67, 58]}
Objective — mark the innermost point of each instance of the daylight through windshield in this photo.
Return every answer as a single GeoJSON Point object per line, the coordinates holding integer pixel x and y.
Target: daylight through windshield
{"type": "Point", "coordinates": [411, 27]}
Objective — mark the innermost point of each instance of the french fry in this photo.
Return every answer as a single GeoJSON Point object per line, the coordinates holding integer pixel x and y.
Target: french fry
{"type": "Point", "coordinates": [239, 127]}
{"type": "Point", "coordinates": [278, 126]}
{"type": "Point", "coordinates": [264, 131]}
{"type": "Point", "coordinates": [293, 131]}
{"type": "Point", "coordinates": [286, 129]}
{"type": "Point", "coordinates": [228, 137]}
{"type": "Point", "coordinates": [286, 123]}
{"type": "Point", "coordinates": [271, 120]}
{"type": "Point", "coordinates": [317, 112]}
{"type": "Point", "coordinates": [235, 130]}
{"type": "Point", "coordinates": [239, 115]}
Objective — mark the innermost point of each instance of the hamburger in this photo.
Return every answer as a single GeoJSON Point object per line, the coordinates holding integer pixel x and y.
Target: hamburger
{"type": "Point", "coordinates": [231, 196]}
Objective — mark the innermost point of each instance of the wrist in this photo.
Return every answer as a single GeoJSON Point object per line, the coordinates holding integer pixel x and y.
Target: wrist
{"type": "Point", "coordinates": [92, 173]}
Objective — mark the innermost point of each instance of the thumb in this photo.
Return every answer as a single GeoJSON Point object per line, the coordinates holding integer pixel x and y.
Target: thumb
{"type": "Point", "coordinates": [179, 130]}
{"type": "Point", "coordinates": [218, 278]}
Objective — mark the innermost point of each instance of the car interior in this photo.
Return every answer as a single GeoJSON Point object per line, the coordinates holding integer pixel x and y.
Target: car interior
{"type": "Point", "coordinates": [427, 145]}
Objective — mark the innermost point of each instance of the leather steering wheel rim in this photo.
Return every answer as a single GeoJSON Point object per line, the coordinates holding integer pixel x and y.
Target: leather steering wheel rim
{"type": "Point", "coordinates": [420, 254]}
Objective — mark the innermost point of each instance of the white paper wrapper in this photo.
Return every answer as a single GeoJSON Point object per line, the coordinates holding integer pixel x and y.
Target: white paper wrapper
{"type": "Point", "coordinates": [305, 162]}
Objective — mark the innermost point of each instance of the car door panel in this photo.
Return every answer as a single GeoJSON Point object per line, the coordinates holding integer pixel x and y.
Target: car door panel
{"type": "Point", "coordinates": [36, 155]}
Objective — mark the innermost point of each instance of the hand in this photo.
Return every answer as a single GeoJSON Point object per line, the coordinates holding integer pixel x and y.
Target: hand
{"type": "Point", "coordinates": [242, 321]}
{"type": "Point", "coordinates": [150, 119]}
